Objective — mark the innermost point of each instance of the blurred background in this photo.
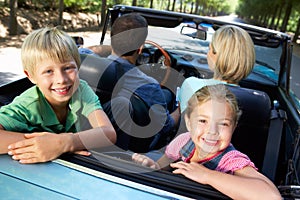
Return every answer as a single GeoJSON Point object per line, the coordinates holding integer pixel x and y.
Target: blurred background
{"type": "Point", "coordinates": [85, 18]}
{"type": "Point", "coordinates": [19, 17]}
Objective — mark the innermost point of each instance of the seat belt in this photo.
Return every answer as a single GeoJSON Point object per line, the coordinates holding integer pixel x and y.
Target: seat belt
{"type": "Point", "coordinates": [277, 119]}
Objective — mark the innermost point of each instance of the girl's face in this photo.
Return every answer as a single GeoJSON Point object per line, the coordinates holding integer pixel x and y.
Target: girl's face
{"type": "Point", "coordinates": [57, 81]}
{"type": "Point", "coordinates": [211, 126]}
{"type": "Point", "coordinates": [211, 58]}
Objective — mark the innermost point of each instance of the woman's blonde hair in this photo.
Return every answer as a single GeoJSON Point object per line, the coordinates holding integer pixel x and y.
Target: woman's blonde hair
{"type": "Point", "coordinates": [48, 43]}
{"type": "Point", "coordinates": [235, 54]}
{"type": "Point", "coordinates": [217, 92]}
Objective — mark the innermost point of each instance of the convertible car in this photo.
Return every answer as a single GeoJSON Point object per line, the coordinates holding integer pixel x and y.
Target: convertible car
{"type": "Point", "coordinates": [175, 49]}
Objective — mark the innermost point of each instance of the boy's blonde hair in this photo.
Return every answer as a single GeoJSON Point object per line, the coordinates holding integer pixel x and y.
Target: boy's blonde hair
{"type": "Point", "coordinates": [217, 92]}
{"type": "Point", "coordinates": [48, 43]}
{"type": "Point", "coordinates": [235, 53]}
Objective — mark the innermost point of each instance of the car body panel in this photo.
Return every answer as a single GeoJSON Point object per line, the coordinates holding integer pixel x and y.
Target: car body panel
{"type": "Point", "coordinates": [60, 180]}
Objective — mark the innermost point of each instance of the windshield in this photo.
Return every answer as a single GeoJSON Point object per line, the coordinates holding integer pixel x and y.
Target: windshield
{"type": "Point", "coordinates": [171, 39]}
{"type": "Point", "coordinates": [267, 58]}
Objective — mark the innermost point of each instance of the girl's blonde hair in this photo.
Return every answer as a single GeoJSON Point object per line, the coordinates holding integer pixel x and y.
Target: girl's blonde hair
{"type": "Point", "coordinates": [235, 54]}
{"type": "Point", "coordinates": [48, 43]}
{"type": "Point", "coordinates": [217, 92]}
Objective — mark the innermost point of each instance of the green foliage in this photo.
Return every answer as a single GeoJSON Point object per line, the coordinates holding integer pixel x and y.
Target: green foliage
{"type": "Point", "coordinates": [261, 13]}
{"type": "Point", "coordinates": [82, 5]}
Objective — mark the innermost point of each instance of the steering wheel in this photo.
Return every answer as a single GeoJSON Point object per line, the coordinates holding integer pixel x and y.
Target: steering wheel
{"type": "Point", "coordinates": [156, 68]}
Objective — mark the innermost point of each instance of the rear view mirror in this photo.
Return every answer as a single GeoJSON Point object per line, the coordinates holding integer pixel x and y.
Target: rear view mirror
{"type": "Point", "coordinates": [78, 40]}
{"type": "Point", "coordinates": [193, 32]}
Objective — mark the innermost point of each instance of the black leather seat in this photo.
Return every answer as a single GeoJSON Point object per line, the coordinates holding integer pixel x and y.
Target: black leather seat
{"type": "Point", "coordinates": [9, 91]}
{"type": "Point", "coordinates": [251, 133]}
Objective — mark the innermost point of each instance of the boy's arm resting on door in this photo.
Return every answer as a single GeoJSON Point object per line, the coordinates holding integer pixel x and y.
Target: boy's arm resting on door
{"type": "Point", "coordinates": [7, 138]}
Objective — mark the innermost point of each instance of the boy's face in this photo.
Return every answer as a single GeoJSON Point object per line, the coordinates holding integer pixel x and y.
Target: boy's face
{"type": "Point", "coordinates": [211, 126]}
{"type": "Point", "coordinates": [57, 81]}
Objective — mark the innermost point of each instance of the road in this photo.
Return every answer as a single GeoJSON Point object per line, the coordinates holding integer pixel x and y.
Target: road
{"type": "Point", "coordinates": [10, 57]}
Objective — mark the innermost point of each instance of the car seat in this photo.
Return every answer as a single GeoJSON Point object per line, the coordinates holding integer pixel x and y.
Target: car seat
{"type": "Point", "coordinates": [9, 91]}
{"type": "Point", "coordinates": [103, 80]}
{"type": "Point", "coordinates": [251, 133]}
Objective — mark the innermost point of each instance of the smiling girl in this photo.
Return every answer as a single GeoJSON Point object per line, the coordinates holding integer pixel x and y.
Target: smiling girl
{"type": "Point", "coordinates": [211, 117]}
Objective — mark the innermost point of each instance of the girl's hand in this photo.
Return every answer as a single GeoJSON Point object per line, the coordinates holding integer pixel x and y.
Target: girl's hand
{"type": "Point", "coordinates": [39, 147]}
{"type": "Point", "coordinates": [145, 161]}
{"type": "Point", "coordinates": [83, 153]}
{"type": "Point", "coordinates": [193, 171]}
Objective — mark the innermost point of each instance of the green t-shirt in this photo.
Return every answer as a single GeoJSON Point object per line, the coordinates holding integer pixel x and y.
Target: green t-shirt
{"type": "Point", "coordinates": [30, 112]}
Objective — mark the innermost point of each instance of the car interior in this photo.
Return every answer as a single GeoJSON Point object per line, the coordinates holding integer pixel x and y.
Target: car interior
{"type": "Point", "coordinates": [258, 110]}
{"type": "Point", "coordinates": [261, 133]}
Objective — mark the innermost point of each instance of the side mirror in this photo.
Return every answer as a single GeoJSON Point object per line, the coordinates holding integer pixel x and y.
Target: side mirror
{"type": "Point", "coordinates": [193, 32]}
{"type": "Point", "coordinates": [78, 40]}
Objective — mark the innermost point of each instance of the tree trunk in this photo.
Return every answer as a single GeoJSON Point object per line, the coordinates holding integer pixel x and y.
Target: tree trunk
{"type": "Point", "coordinates": [181, 6]}
{"type": "Point", "coordinates": [279, 16]}
{"type": "Point", "coordinates": [168, 5]}
{"type": "Point", "coordinates": [13, 23]}
{"type": "Point", "coordinates": [134, 2]}
{"type": "Point", "coordinates": [297, 32]}
{"type": "Point", "coordinates": [192, 8]}
{"type": "Point", "coordinates": [60, 10]}
{"type": "Point", "coordinates": [286, 17]}
{"type": "Point", "coordinates": [173, 6]}
{"type": "Point", "coordinates": [151, 4]}
{"type": "Point", "coordinates": [103, 11]}
{"type": "Point", "coordinates": [273, 18]}
{"type": "Point", "coordinates": [196, 11]}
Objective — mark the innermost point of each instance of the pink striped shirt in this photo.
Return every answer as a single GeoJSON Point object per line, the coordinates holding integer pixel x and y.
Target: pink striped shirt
{"type": "Point", "coordinates": [230, 162]}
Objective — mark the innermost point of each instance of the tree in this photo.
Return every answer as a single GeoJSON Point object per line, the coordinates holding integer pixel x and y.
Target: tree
{"type": "Point", "coordinates": [61, 10]}
{"type": "Point", "coordinates": [288, 12]}
{"type": "Point", "coordinates": [103, 12]}
{"type": "Point", "coordinates": [13, 23]}
{"type": "Point", "coordinates": [168, 5]}
{"type": "Point", "coordinates": [173, 5]}
{"type": "Point", "coordinates": [297, 32]}
{"type": "Point", "coordinates": [151, 3]}
{"type": "Point", "coordinates": [134, 2]}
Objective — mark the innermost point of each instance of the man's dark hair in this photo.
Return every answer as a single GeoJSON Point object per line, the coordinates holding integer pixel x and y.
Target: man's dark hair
{"type": "Point", "coordinates": [128, 33]}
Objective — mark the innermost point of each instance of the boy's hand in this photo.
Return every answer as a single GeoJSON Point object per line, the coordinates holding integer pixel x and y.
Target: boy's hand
{"type": "Point", "coordinates": [144, 160]}
{"type": "Point", "coordinates": [39, 147]}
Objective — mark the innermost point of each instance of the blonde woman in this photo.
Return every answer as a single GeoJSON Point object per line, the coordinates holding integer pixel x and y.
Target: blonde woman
{"type": "Point", "coordinates": [231, 54]}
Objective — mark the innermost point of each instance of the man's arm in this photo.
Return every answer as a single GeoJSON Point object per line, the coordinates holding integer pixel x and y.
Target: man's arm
{"type": "Point", "coordinates": [176, 116]}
